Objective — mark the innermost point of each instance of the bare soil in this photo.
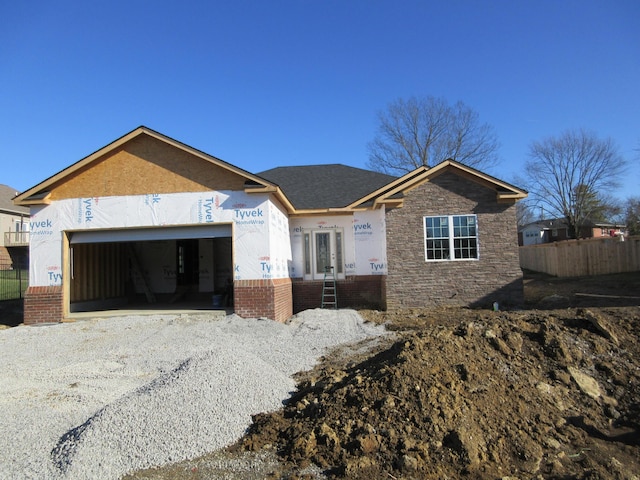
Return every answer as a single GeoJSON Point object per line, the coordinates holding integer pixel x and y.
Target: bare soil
{"type": "Point", "coordinates": [552, 391]}
{"type": "Point", "coordinates": [11, 313]}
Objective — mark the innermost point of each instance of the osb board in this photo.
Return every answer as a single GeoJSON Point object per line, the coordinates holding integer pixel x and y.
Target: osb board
{"type": "Point", "coordinates": [99, 272]}
{"type": "Point", "coordinates": [146, 165]}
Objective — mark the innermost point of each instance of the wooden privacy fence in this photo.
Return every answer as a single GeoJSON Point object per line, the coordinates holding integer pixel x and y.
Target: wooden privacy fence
{"type": "Point", "coordinates": [580, 258]}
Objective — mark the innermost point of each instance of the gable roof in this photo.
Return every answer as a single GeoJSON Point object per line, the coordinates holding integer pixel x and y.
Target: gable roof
{"type": "Point", "coordinates": [6, 201]}
{"type": "Point", "coordinates": [39, 194]}
{"type": "Point", "coordinates": [310, 189]}
{"type": "Point", "coordinates": [331, 186]}
{"type": "Point", "coordinates": [339, 187]}
{"type": "Point", "coordinates": [505, 192]}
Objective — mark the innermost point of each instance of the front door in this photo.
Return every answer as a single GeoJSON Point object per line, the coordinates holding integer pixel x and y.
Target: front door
{"type": "Point", "coordinates": [322, 249]}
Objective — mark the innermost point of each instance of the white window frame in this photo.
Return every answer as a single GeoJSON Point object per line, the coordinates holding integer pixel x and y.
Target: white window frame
{"type": "Point", "coordinates": [311, 251]}
{"type": "Point", "coordinates": [445, 234]}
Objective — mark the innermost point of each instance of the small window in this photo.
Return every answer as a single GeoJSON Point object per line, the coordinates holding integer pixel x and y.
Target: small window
{"type": "Point", "coordinates": [339, 260]}
{"type": "Point", "coordinates": [307, 253]}
{"type": "Point", "coordinates": [451, 237]}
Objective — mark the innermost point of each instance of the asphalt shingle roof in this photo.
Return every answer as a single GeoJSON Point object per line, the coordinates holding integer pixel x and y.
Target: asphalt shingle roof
{"type": "Point", "coordinates": [325, 186]}
{"type": "Point", "coordinates": [6, 200]}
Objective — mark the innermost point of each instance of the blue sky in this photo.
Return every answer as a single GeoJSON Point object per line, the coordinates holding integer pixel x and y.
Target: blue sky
{"type": "Point", "coordinates": [294, 82]}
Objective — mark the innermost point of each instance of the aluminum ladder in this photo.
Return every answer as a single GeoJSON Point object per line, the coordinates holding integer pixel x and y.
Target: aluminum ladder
{"type": "Point", "coordinates": [329, 298]}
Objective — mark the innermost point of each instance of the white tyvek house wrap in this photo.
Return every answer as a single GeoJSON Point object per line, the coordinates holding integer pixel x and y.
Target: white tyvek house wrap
{"type": "Point", "coordinates": [45, 246]}
{"type": "Point", "coordinates": [370, 236]}
{"type": "Point", "coordinates": [278, 265]}
{"type": "Point", "coordinates": [261, 242]}
{"type": "Point", "coordinates": [365, 244]}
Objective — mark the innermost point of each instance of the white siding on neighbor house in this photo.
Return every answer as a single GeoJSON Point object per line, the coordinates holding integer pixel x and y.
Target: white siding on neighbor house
{"type": "Point", "coordinates": [364, 241]}
{"type": "Point", "coordinates": [532, 236]}
{"type": "Point", "coordinates": [9, 222]}
{"type": "Point", "coordinates": [255, 250]}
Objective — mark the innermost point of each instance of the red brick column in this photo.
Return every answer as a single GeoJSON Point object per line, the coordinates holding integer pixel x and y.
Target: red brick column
{"type": "Point", "coordinates": [43, 305]}
{"type": "Point", "coordinates": [263, 298]}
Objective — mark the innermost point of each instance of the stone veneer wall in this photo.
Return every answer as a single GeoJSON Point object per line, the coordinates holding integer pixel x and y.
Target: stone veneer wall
{"type": "Point", "coordinates": [263, 298]}
{"type": "Point", "coordinates": [496, 276]}
{"type": "Point", "coordinates": [43, 305]}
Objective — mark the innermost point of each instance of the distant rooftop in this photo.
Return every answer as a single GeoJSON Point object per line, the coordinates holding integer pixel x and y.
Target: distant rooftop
{"type": "Point", "coordinates": [6, 201]}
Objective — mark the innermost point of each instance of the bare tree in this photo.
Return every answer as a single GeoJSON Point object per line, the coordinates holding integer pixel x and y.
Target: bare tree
{"type": "Point", "coordinates": [524, 213]}
{"type": "Point", "coordinates": [425, 131]}
{"type": "Point", "coordinates": [632, 215]}
{"type": "Point", "coordinates": [571, 176]}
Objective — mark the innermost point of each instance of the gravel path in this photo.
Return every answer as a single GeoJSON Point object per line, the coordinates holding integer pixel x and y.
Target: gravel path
{"type": "Point", "coordinates": [99, 398]}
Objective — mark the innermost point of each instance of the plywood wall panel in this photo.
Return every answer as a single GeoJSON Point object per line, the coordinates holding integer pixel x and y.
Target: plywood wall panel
{"type": "Point", "coordinates": [146, 165]}
{"type": "Point", "coordinates": [98, 272]}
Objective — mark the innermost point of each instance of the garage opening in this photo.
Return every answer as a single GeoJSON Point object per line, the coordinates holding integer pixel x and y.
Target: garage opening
{"type": "Point", "coordinates": [168, 268]}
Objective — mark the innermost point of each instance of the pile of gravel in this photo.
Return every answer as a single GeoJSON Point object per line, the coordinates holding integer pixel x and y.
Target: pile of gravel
{"type": "Point", "coordinates": [101, 398]}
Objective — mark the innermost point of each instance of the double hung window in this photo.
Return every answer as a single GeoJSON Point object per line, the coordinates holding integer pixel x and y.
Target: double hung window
{"type": "Point", "coordinates": [451, 237]}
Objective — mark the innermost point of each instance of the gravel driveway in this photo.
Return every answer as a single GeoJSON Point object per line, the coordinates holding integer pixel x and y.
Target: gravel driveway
{"type": "Point", "coordinates": [99, 398]}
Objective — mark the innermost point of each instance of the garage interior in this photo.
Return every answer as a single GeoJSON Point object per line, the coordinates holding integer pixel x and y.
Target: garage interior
{"type": "Point", "coordinates": [168, 269]}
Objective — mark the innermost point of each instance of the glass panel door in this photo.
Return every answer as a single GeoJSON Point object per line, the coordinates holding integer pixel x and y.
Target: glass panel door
{"type": "Point", "coordinates": [323, 251]}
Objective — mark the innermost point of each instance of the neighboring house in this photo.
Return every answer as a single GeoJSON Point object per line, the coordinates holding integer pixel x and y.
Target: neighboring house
{"type": "Point", "coordinates": [543, 231]}
{"type": "Point", "coordinates": [14, 226]}
{"type": "Point", "coordinates": [555, 230]}
{"type": "Point", "coordinates": [149, 218]}
{"type": "Point", "coordinates": [602, 229]}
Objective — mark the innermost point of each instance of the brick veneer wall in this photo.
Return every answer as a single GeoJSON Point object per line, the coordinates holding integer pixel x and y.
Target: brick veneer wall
{"type": "Point", "coordinates": [263, 298]}
{"type": "Point", "coordinates": [496, 276]}
{"type": "Point", "coordinates": [364, 291]}
{"type": "Point", "coordinates": [43, 305]}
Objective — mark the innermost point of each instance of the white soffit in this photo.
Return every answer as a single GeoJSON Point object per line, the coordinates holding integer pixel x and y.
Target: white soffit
{"type": "Point", "coordinates": [150, 234]}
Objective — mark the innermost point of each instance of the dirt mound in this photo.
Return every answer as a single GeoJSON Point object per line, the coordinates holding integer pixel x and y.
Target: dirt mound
{"type": "Point", "coordinates": [479, 394]}
{"type": "Point", "coordinates": [547, 393]}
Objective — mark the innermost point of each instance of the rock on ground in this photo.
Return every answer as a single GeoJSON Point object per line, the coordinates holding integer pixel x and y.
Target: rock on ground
{"type": "Point", "coordinates": [472, 394]}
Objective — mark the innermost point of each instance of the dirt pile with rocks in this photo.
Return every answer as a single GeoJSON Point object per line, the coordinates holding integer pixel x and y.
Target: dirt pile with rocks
{"type": "Point", "coordinates": [479, 394]}
{"type": "Point", "coordinates": [551, 392]}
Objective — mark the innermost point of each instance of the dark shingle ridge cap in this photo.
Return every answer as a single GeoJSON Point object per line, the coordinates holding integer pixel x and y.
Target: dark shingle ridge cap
{"type": "Point", "coordinates": [325, 166]}
{"type": "Point", "coordinates": [322, 165]}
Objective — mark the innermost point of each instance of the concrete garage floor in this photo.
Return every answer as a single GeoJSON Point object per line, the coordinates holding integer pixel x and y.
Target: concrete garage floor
{"type": "Point", "coordinates": [11, 312]}
{"type": "Point", "coordinates": [185, 308]}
